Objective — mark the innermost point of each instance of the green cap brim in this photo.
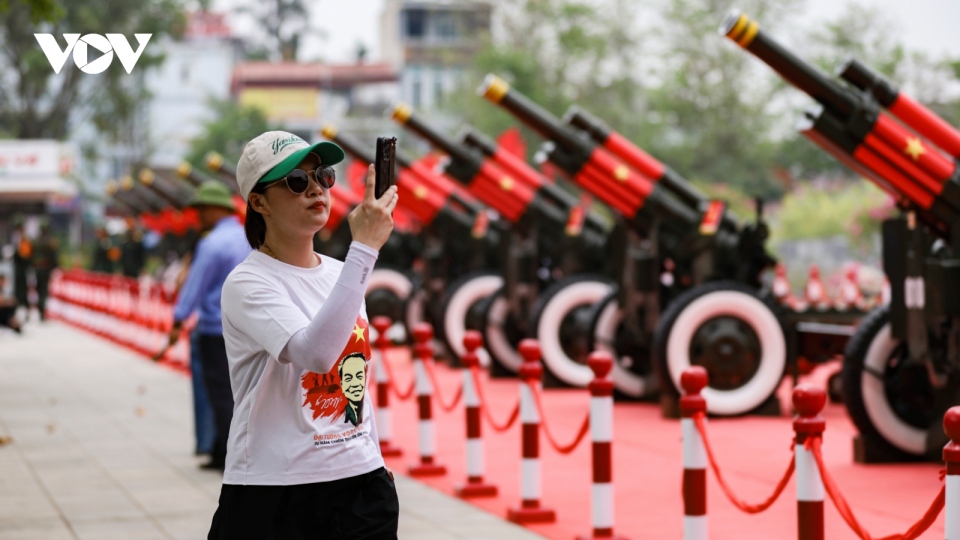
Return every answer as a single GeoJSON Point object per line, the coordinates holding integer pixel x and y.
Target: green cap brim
{"type": "Point", "coordinates": [328, 152]}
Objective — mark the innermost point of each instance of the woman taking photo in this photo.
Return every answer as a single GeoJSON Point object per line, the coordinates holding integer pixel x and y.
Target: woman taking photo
{"type": "Point", "coordinates": [303, 458]}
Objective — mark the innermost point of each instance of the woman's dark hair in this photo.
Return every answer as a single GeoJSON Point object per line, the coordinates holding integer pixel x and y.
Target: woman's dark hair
{"type": "Point", "coordinates": [254, 226]}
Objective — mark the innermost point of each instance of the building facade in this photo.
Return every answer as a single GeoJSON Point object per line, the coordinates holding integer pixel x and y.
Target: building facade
{"type": "Point", "coordinates": [432, 43]}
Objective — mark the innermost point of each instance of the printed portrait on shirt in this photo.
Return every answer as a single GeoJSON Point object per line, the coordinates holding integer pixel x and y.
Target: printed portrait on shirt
{"type": "Point", "coordinates": [338, 395]}
{"type": "Point", "coordinates": [353, 382]}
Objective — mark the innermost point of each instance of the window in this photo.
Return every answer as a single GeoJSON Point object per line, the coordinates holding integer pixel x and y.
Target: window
{"type": "Point", "coordinates": [416, 26]}
{"type": "Point", "coordinates": [444, 26]}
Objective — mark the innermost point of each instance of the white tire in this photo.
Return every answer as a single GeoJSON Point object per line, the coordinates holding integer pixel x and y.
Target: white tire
{"type": "Point", "coordinates": [577, 293]}
{"type": "Point", "coordinates": [465, 296]}
{"type": "Point", "coordinates": [757, 315]}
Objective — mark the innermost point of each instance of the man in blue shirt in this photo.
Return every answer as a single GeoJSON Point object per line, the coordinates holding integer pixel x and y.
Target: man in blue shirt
{"type": "Point", "coordinates": [224, 247]}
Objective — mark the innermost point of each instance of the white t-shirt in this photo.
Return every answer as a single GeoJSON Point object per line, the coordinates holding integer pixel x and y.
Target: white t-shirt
{"type": "Point", "coordinates": [292, 426]}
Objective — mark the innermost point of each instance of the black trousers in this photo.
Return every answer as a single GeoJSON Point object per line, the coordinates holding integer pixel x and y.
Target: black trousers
{"type": "Point", "coordinates": [43, 290]}
{"type": "Point", "coordinates": [216, 379]}
{"type": "Point", "coordinates": [362, 507]}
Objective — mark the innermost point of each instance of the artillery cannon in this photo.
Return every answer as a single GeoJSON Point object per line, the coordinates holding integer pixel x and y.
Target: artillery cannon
{"type": "Point", "coordinates": [539, 252]}
{"type": "Point", "coordinates": [693, 292]}
{"type": "Point", "coordinates": [901, 368]}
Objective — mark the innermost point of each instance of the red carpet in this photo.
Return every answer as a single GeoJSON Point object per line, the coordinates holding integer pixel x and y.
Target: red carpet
{"type": "Point", "coordinates": [753, 453]}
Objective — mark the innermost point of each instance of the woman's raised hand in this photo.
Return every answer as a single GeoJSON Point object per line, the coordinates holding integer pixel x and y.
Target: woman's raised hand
{"type": "Point", "coordinates": [371, 222]}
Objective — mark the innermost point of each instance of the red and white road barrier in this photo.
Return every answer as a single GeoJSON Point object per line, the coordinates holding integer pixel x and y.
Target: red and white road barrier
{"type": "Point", "coordinates": [422, 353]}
{"type": "Point", "coordinates": [693, 380]}
{"type": "Point", "coordinates": [133, 313]}
{"type": "Point", "coordinates": [382, 376]}
{"type": "Point", "coordinates": [530, 509]}
{"type": "Point", "coordinates": [475, 486]}
{"type": "Point", "coordinates": [951, 456]}
{"type": "Point", "coordinates": [808, 402]}
{"type": "Point", "coordinates": [601, 434]}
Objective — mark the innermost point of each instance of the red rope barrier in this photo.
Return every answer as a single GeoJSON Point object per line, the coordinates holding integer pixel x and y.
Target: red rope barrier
{"type": "Point", "coordinates": [436, 389]}
{"type": "Point", "coordinates": [742, 505]}
{"type": "Point", "coordinates": [402, 396]}
{"type": "Point", "coordinates": [563, 449]}
{"type": "Point", "coordinates": [843, 508]}
{"type": "Point", "coordinates": [496, 426]}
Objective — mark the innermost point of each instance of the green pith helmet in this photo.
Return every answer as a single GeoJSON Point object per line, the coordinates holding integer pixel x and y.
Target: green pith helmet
{"type": "Point", "coordinates": [213, 193]}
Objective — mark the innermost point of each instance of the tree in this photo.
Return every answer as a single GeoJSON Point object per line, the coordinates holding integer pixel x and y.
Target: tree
{"type": "Point", "coordinates": [709, 116]}
{"type": "Point", "coordinates": [557, 52]}
{"type": "Point", "coordinates": [37, 103]}
{"type": "Point", "coordinates": [284, 22]}
{"type": "Point", "coordinates": [229, 131]}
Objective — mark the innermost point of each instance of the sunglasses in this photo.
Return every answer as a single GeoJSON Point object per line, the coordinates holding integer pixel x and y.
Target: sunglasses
{"type": "Point", "coordinates": [298, 180]}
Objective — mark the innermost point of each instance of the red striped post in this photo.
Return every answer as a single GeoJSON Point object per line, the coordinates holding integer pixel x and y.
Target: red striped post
{"type": "Point", "coordinates": [423, 352]}
{"type": "Point", "coordinates": [951, 455]}
{"type": "Point", "coordinates": [693, 380]}
{"type": "Point", "coordinates": [383, 415]}
{"type": "Point", "coordinates": [808, 401]}
{"type": "Point", "coordinates": [601, 434]}
{"type": "Point", "coordinates": [475, 486]}
{"type": "Point", "coordinates": [531, 372]}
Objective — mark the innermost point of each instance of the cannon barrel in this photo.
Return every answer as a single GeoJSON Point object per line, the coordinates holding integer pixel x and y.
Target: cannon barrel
{"type": "Point", "coordinates": [826, 131]}
{"type": "Point", "coordinates": [592, 167]}
{"type": "Point", "coordinates": [426, 198]}
{"type": "Point", "coordinates": [215, 162]}
{"type": "Point", "coordinates": [186, 171]}
{"type": "Point", "coordinates": [113, 194]}
{"type": "Point", "coordinates": [912, 113]}
{"type": "Point", "coordinates": [366, 154]}
{"type": "Point", "coordinates": [517, 166]}
{"type": "Point", "coordinates": [164, 189]}
{"type": "Point", "coordinates": [487, 180]}
{"type": "Point", "coordinates": [643, 162]}
{"type": "Point", "coordinates": [871, 137]}
{"type": "Point", "coordinates": [807, 77]}
{"type": "Point", "coordinates": [634, 156]}
{"type": "Point", "coordinates": [142, 194]}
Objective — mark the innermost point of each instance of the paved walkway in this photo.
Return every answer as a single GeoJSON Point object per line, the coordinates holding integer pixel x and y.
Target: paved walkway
{"type": "Point", "coordinates": [96, 442]}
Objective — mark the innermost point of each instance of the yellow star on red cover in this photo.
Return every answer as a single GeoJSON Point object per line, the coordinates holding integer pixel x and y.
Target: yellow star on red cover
{"type": "Point", "coordinates": [914, 148]}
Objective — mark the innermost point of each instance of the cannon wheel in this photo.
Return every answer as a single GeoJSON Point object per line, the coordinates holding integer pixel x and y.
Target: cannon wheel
{"type": "Point", "coordinates": [560, 320]}
{"type": "Point", "coordinates": [415, 310]}
{"type": "Point", "coordinates": [501, 333]}
{"type": "Point", "coordinates": [732, 332]}
{"type": "Point", "coordinates": [891, 402]}
{"type": "Point", "coordinates": [462, 309]}
{"type": "Point", "coordinates": [633, 373]}
{"type": "Point", "coordinates": [388, 294]}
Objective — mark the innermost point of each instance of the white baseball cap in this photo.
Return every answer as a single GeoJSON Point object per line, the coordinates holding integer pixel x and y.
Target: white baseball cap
{"type": "Point", "coordinates": [274, 154]}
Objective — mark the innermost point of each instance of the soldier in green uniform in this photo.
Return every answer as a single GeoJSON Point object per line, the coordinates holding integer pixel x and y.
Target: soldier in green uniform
{"type": "Point", "coordinates": [46, 256]}
{"type": "Point", "coordinates": [22, 257]}
{"type": "Point", "coordinates": [133, 255]}
{"type": "Point", "coordinates": [102, 260]}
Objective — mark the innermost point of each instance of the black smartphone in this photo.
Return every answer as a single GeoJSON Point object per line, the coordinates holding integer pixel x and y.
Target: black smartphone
{"type": "Point", "coordinates": [386, 164]}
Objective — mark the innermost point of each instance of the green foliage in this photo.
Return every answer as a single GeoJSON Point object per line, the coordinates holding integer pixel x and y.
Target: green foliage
{"type": "Point", "coordinates": [229, 131]}
{"type": "Point", "coordinates": [689, 97]}
{"type": "Point", "coordinates": [40, 10]}
{"type": "Point", "coordinates": [284, 23]}
{"type": "Point", "coordinates": [35, 102]}
{"type": "Point", "coordinates": [557, 52]}
{"type": "Point", "coordinates": [855, 209]}
{"type": "Point", "coordinates": [740, 203]}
